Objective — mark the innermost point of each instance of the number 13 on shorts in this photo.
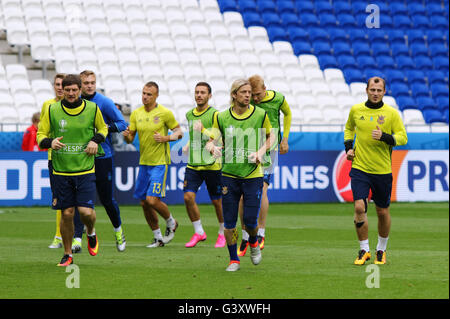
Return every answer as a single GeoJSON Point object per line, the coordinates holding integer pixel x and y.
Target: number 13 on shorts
{"type": "Point", "coordinates": [156, 188]}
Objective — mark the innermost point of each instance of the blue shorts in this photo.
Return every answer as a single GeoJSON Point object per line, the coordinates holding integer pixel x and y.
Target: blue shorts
{"type": "Point", "coordinates": [213, 180]}
{"type": "Point", "coordinates": [232, 190]}
{"type": "Point", "coordinates": [73, 191]}
{"type": "Point", "coordinates": [380, 184]}
{"type": "Point", "coordinates": [268, 177]}
{"type": "Point", "coordinates": [151, 181]}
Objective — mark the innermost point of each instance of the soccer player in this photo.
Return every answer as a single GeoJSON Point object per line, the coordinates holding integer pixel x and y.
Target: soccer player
{"type": "Point", "coordinates": [59, 95]}
{"type": "Point", "coordinates": [246, 136]}
{"type": "Point", "coordinates": [273, 103]}
{"type": "Point", "coordinates": [378, 128]}
{"type": "Point", "coordinates": [104, 166]}
{"type": "Point", "coordinates": [202, 167]}
{"type": "Point", "coordinates": [151, 122]}
{"type": "Point", "coordinates": [73, 128]}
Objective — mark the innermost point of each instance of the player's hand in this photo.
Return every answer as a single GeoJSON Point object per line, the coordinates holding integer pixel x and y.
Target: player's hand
{"type": "Point", "coordinates": [185, 149]}
{"type": "Point", "coordinates": [91, 148]}
{"type": "Point", "coordinates": [284, 146]}
{"type": "Point", "coordinates": [256, 157]}
{"type": "Point", "coordinates": [376, 134]}
{"type": "Point", "coordinates": [57, 144]}
{"type": "Point", "coordinates": [160, 138]}
{"type": "Point", "coordinates": [198, 126]}
{"type": "Point", "coordinates": [126, 132]}
{"type": "Point", "coordinates": [350, 154]}
{"type": "Point", "coordinates": [216, 151]}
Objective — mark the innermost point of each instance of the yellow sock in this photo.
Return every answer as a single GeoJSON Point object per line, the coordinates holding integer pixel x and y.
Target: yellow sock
{"type": "Point", "coordinates": [58, 220]}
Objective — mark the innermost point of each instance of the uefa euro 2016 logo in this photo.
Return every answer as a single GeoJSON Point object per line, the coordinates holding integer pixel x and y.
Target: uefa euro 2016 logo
{"type": "Point", "coordinates": [62, 125]}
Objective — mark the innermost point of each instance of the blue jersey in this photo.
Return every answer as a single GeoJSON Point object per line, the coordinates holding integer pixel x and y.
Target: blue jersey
{"type": "Point", "coordinates": [112, 117]}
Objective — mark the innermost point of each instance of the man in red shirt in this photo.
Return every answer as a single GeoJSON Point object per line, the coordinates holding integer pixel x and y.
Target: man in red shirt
{"type": "Point", "coordinates": [29, 142]}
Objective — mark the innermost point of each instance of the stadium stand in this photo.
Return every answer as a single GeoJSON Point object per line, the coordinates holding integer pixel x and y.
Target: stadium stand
{"type": "Point", "coordinates": [303, 48]}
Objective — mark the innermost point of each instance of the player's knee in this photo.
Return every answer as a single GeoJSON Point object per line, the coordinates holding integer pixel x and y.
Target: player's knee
{"type": "Point", "coordinates": [360, 207]}
{"type": "Point", "coordinates": [67, 213]}
{"type": "Point", "coordinates": [381, 212]}
{"type": "Point", "coordinates": [189, 198]}
{"type": "Point", "coordinates": [152, 201]}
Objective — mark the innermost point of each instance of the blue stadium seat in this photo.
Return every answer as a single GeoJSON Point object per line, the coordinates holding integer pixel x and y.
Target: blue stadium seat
{"type": "Point", "coordinates": [415, 76]}
{"type": "Point", "coordinates": [432, 116]}
{"type": "Point", "coordinates": [399, 89]}
{"type": "Point", "coordinates": [301, 47]}
{"type": "Point", "coordinates": [341, 48]}
{"type": "Point", "coordinates": [396, 36]}
{"type": "Point", "coordinates": [289, 19]}
{"type": "Point", "coordinates": [358, 7]}
{"type": "Point", "coordinates": [398, 8]}
{"type": "Point", "coordinates": [438, 49]}
{"type": "Point", "coordinates": [439, 90]}
{"type": "Point", "coordinates": [360, 48]}
{"type": "Point", "coordinates": [402, 22]}
{"type": "Point", "coordinates": [371, 72]}
{"type": "Point", "coordinates": [317, 34]}
{"type": "Point", "coordinates": [357, 35]}
{"type": "Point", "coordinates": [297, 33]}
{"type": "Point", "coordinates": [399, 50]}
{"type": "Point", "coordinates": [227, 5]}
{"type": "Point", "coordinates": [304, 7]}
{"type": "Point", "coordinates": [386, 21]}
{"type": "Point", "coordinates": [435, 36]}
{"type": "Point", "coordinates": [416, 9]}
{"type": "Point", "coordinates": [442, 103]}
{"type": "Point", "coordinates": [406, 102]}
{"type": "Point", "coordinates": [440, 63]}
{"type": "Point", "coordinates": [327, 20]}
{"type": "Point", "coordinates": [439, 22]}
{"type": "Point", "coordinates": [446, 115]}
{"type": "Point", "coordinates": [347, 62]}
{"type": "Point", "coordinates": [323, 7]}
{"type": "Point", "coordinates": [434, 9]}
{"type": "Point", "coordinates": [376, 35]}
{"type": "Point", "coordinates": [321, 47]}
{"type": "Point", "coordinates": [346, 20]}
{"type": "Point", "coordinates": [285, 6]}
{"type": "Point", "coordinates": [436, 76]}
{"type": "Point", "coordinates": [420, 22]}
{"type": "Point", "coordinates": [418, 49]}
{"type": "Point", "coordinates": [426, 103]}
{"type": "Point", "coordinates": [276, 33]}
{"type": "Point", "coordinates": [384, 62]}
{"type": "Point", "coordinates": [381, 49]}
{"type": "Point", "coordinates": [327, 61]}
{"type": "Point", "coordinates": [309, 20]}
{"type": "Point", "coordinates": [353, 75]}
{"type": "Point", "coordinates": [246, 5]}
{"type": "Point", "coordinates": [415, 36]}
{"type": "Point", "coordinates": [251, 19]}
{"type": "Point", "coordinates": [266, 6]}
{"type": "Point", "coordinates": [361, 20]}
{"type": "Point", "coordinates": [337, 35]}
{"type": "Point", "coordinates": [270, 19]}
{"type": "Point", "coordinates": [366, 61]}
{"type": "Point", "coordinates": [394, 76]}
{"type": "Point", "coordinates": [423, 63]}
{"type": "Point", "coordinates": [404, 62]}
{"type": "Point", "coordinates": [420, 90]}
{"type": "Point", "coordinates": [342, 7]}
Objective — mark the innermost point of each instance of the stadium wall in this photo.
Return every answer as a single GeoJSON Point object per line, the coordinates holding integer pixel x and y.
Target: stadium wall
{"type": "Point", "coordinates": [300, 176]}
{"type": "Point", "coordinates": [298, 141]}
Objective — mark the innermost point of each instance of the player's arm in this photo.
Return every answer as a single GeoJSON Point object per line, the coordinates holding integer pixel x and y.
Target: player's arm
{"type": "Point", "coordinates": [214, 136]}
{"type": "Point", "coordinates": [99, 136]}
{"type": "Point", "coordinates": [398, 136]}
{"type": "Point", "coordinates": [115, 118]}
{"type": "Point", "coordinates": [258, 156]}
{"type": "Point", "coordinates": [171, 124]}
{"type": "Point", "coordinates": [349, 136]}
{"type": "Point", "coordinates": [130, 132]}
{"type": "Point", "coordinates": [43, 134]}
{"type": "Point", "coordinates": [284, 145]}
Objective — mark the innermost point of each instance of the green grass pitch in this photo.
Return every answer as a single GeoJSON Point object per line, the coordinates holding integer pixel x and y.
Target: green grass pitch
{"type": "Point", "coordinates": [309, 254]}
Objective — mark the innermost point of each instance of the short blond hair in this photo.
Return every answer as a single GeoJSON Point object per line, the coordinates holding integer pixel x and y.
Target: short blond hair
{"type": "Point", "coordinates": [376, 79]}
{"type": "Point", "coordinates": [256, 81]}
{"type": "Point", "coordinates": [236, 86]}
{"type": "Point", "coordinates": [87, 73]}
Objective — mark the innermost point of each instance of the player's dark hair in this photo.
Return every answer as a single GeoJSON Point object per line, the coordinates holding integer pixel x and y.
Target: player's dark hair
{"type": "Point", "coordinates": [71, 79]}
{"type": "Point", "coordinates": [204, 84]}
{"type": "Point", "coordinates": [152, 84]}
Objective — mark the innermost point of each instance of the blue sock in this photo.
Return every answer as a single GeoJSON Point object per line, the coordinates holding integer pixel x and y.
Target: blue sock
{"type": "Point", "coordinates": [252, 240]}
{"type": "Point", "coordinates": [232, 249]}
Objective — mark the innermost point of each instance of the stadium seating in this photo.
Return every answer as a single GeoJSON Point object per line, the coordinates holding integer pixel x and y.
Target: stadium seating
{"type": "Point", "coordinates": [226, 39]}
